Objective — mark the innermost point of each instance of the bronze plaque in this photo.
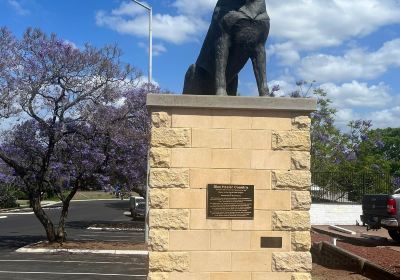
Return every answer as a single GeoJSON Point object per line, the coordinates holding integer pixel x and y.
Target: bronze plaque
{"type": "Point", "coordinates": [230, 202]}
{"type": "Point", "coordinates": [271, 242]}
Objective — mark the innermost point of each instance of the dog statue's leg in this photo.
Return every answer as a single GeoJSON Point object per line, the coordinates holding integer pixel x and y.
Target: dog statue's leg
{"type": "Point", "coordinates": [260, 69]}
{"type": "Point", "coordinates": [190, 85]}
{"type": "Point", "coordinates": [233, 86]}
{"type": "Point", "coordinates": [221, 61]}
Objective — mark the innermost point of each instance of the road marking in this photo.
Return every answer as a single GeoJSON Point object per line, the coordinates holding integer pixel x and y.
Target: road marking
{"type": "Point", "coordinates": [113, 232]}
{"type": "Point", "coordinates": [103, 236]}
{"type": "Point", "coordinates": [70, 273]}
{"type": "Point", "coordinates": [20, 213]}
{"type": "Point", "coordinates": [49, 261]}
{"type": "Point", "coordinates": [3, 217]}
{"type": "Point", "coordinates": [116, 229]}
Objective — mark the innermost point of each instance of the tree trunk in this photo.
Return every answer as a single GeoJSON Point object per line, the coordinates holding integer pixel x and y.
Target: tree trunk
{"type": "Point", "coordinates": [43, 218]}
{"type": "Point", "coordinates": [61, 234]}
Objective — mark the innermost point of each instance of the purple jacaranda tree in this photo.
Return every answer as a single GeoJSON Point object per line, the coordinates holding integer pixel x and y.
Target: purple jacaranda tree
{"type": "Point", "coordinates": [326, 141]}
{"type": "Point", "coordinates": [70, 118]}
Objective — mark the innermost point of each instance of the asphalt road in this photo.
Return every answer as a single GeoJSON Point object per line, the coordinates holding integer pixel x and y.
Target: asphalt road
{"type": "Point", "coordinates": [20, 229]}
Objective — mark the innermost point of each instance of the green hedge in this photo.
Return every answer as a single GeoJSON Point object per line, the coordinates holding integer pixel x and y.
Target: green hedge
{"type": "Point", "coordinates": [8, 197]}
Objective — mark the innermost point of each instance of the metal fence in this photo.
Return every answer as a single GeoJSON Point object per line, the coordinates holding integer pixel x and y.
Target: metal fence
{"type": "Point", "coordinates": [348, 187]}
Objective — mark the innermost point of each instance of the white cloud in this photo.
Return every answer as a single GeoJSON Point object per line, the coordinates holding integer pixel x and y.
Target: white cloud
{"type": "Point", "coordinates": [129, 9]}
{"type": "Point", "coordinates": [18, 8]}
{"type": "Point", "coordinates": [286, 53]}
{"type": "Point", "coordinates": [197, 7]}
{"type": "Point", "coordinates": [357, 100]}
{"type": "Point", "coordinates": [354, 64]}
{"type": "Point", "coordinates": [386, 118]}
{"type": "Point", "coordinates": [380, 118]}
{"type": "Point", "coordinates": [158, 49]}
{"type": "Point", "coordinates": [126, 19]}
{"type": "Point", "coordinates": [311, 24]}
{"type": "Point", "coordinates": [344, 116]}
{"type": "Point", "coordinates": [356, 94]}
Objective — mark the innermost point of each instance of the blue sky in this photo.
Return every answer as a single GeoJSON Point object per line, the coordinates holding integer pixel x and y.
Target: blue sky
{"type": "Point", "coordinates": [350, 47]}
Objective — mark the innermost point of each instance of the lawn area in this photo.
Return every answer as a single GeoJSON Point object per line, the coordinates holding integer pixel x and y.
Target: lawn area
{"type": "Point", "coordinates": [84, 195]}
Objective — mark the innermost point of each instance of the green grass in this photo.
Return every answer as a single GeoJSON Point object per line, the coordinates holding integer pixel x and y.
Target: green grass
{"type": "Point", "coordinates": [92, 195]}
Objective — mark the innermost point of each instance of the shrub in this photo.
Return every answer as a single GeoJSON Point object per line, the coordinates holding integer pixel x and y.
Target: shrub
{"type": "Point", "coordinates": [8, 198]}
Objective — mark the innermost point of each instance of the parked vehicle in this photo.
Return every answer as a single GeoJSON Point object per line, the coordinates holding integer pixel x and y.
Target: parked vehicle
{"type": "Point", "coordinates": [382, 211]}
{"type": "Point", "coordinates": [137, 207]}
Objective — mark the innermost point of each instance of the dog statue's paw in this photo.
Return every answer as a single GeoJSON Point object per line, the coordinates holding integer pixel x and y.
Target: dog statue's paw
{"type": "Point", "coordinates": [264, 92]}
{"type": "Point", "coordinates": [222, 92]}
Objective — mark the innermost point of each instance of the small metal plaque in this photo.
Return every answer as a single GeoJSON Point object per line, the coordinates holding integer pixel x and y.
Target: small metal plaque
{"type": "Point", "coordinates": [271, 242]}
{"type": "Point", "coordinates": [230, 202]}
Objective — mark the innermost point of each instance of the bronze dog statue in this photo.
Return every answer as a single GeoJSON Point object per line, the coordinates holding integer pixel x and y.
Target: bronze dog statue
{"type": "Point", "coordinates": [238, 32]}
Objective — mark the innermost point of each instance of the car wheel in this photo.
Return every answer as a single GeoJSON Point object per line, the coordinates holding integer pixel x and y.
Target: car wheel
{"type": "Point", "coordinates": [395, 234]}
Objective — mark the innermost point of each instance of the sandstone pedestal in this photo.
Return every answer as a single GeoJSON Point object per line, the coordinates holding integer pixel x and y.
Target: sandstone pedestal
{"type": "Point", "coordinates": [201, 140]}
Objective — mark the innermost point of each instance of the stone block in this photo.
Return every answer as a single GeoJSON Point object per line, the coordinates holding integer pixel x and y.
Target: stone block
{"type": "Point", "coordinates": [225, 158]}
{"type": "Point", "coordinates": [301, 123]}
{"type": "Point", "coordinates": [301, 161]}
{"type": "Point", "coordinates": [158, 276]}
{"type": "Point", "coordinates": [187, 199]}
{"type": "Point", "coordinates": [301, 200]}
{"type": "Point", "coordinates": [291, 221]}
{"type": "Point", "coordinates": [268, 160]}
{"type": "Point", "coordinates": [160, 119]}
{"type": "Point", "coordinates": [301, 276]}
{"type": "Point", "coordinates": [160, 158]}
{"type": "Point", "coordinates": [168, 262]}
{"type": "Point", "coordinates": [271, 120]}
{"type": "Point", "coordinates": [271, 276]}
{"type": "Point", "coordinates": [210, 261]}
{"type": "Point", "coordinates": [189, 240]}
{"type": "Point", "coordinates": [261, 179]}
{"type": "Point", "coordinates": [291, 140]}
{"type": "Point", "coordinates": [169, 178]}
{"type": "Point", "coordinates": [231, 276]}
{"type": "Point", "coordinates": [292, 262]}
{"type": "Point", "coordinates": [231, 119]}
{"type": "Point", "coordinates": [195, 118]}
{"type": "Point", "coordinates": [272, 200]}
{"type": "Point", "coordinates": [191, 158]}
{"type": "Point", "coordinates": [251, 261]}
{"type": "Point", "coordinates": [291, 180]}
{"type": "Point", "coordinates": [262, 221]}
{"type": "Point", "coordinates": [211, 138]}
{"type": "Point", "coordinates": [159, 240]}
{"type": "Point", "coordinates": [200, 178]}
{"type": "Point", "coordinates": [189, 276]}
{"type": "Point", "coordinates": [227, 240]}
{"type": "Point", "coordinates": [251, 139]}
{"type": "Point", "coordinates": [171, 137]}
{"type": "Point", "coordinates": [169, 219]}
{"type": "Point", "coordinates": [256, 240]}
{"type": "Point", "coordinates": [199, 221]}
{"type": "Point", "coordinates": [301, 241]}
{"type": "Point", "coordinates": [158, 199]}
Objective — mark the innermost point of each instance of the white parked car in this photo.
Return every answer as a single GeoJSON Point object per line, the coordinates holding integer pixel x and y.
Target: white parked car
{"type": "Point", "coordinates": [137, 207]}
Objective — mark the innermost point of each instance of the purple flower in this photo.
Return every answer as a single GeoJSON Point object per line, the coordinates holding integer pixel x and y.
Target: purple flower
{"type": "Point", "coordinates": [351, 156]}
{"type": "Point", "coordinates": [379, 144]}
{"type": "Point", "coordinates": [396, 182]}
{"type": "Point", "coordinates": [276, 88]}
